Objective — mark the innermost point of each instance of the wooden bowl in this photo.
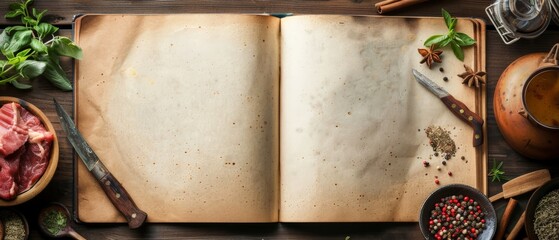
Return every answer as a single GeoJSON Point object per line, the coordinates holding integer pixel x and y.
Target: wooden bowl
{"type": "Point", "coordinates": [458, 189]}
{"type": "Point", "coordinates": [549, 186]}
{"type": "Point", "coordinates": [53, 161]}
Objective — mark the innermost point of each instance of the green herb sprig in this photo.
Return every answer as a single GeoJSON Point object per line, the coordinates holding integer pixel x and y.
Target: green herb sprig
{"type": "Point", "coordinates": [31, 50]}
{"type": "Point", "coordinates": [496, 173]}
{"type": "Point", "coordinates": [456, 40]}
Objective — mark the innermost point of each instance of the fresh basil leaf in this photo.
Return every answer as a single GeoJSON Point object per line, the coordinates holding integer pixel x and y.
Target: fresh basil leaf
{"type": "Point", "coordinates": [447, 19]}
{"type": "Point", "coordinates": [19, 40]}
{"type": "Point", "coordinates": [435, 39]}
{"type": "Point", "coordinates": [14, 13]}
{"type": "Point", "coordinates": [39, 16]}
{"type": "Point", "coordinates": [15, 60]}
{"type": "Point", "coordinates": [45, 30]}
{"type": "Point", "coordinates": [31, 68]}
{"type": "Point", "coordinates": [446, 41]}
{"type": "Point", "coordinates": [65, 47]}
{"type": "Point", "coordinates": [24, 53]}
{"type": "Point", "coordinates": [38, 46]}
{"type": "Point", "coordinates": [458, 52]}
{"type": "Point", "coordinates": [465, 40]}
{"type": "Point", "coordinates": [29, 20]}
{"type": "Point", "coordinates": [55, 74]}
{"type": "Point", "coordinates": [11, 29]}
{"type": "Point", "coordinates": [452, 24]}
{"type": "Point", "coordinates": [4, 39]}
{"type": "Point", "coordinates": [19, 85]}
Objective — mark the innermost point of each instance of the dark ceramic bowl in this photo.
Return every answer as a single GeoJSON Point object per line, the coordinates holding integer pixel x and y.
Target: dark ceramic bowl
{"type": "Point", "coordinates": [11, 212]}
{"type": "Point", "coordinates": [458, 189]}
{"type": "Point", "coordinates": [549, 186]}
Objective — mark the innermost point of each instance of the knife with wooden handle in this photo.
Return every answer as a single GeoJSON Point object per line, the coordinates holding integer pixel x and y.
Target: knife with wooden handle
{"type": "Point", "coordinates": [110, 185]}
{"type": "Point", "coordinates": [456, 107]}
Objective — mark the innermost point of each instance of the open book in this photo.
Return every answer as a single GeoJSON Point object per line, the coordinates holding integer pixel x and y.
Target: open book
{"type": "Point", "coordinates": [246, 118]}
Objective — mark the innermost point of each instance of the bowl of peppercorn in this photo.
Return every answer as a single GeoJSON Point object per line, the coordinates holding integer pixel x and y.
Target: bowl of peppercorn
{"type": "Point", "coordinates": [542, 212]}
{"type": "Point", "coordinates": [457, 211]}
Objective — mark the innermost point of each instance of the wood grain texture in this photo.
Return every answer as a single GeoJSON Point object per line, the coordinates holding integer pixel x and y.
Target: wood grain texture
{"type": "Point", "coordinates": [63, 11]}
{"type": "Point", "coordinates": [60, 189]}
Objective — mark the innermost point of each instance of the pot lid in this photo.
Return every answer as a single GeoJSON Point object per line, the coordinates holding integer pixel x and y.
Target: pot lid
{"type": "Point", "coordinates": [515, 19]}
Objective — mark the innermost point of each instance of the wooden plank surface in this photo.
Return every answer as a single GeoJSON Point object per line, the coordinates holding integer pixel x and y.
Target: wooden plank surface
{"type": "Point", "coordinates": [499, 56]}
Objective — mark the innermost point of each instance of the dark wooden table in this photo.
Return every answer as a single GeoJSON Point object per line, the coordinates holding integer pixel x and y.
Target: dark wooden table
{"type": "Point", "coordinates": [61, 13]}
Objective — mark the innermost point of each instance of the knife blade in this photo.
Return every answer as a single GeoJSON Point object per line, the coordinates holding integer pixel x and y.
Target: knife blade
{"type": "Point", "coordinates": [110, 185]}
{"type": "Point", "coordinates": [457, 107]}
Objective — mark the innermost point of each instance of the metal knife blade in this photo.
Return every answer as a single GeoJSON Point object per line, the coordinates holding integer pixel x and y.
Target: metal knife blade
{"type": "Point", "coordinates": [112, 187]}
{"type": "Point", "coordinates": [457, 107]}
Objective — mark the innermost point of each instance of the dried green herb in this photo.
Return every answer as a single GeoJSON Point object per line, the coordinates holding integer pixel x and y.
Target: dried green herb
{"type": "Point", "coordinates": [54, 221]}
{"type": "Point", "coordinates": [546, 216]}
{"type": "Point", "coordinates": [496, 172]}
{"type": "Point", "coordinates": [456, 40]}
{"type": "Point", "coordinates": [32, 49]}
{"type": "Point", "coordinates": [14, 228]}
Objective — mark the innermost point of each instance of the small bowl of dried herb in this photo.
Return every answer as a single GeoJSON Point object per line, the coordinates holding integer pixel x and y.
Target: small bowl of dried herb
{"type": "Point", "coordinates": [457, 211]}
{"type": "Point", "coordinates": [14, 225]}
{"type": "Point", "coordinates": [542, 212]}
{"type": "Point", "coordinates": [54, 221]}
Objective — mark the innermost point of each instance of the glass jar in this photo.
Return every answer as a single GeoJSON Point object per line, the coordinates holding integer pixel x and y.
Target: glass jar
{"type": "Point", "coordinates": [515, 19]}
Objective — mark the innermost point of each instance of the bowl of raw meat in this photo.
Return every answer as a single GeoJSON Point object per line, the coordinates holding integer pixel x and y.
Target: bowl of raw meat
{"type": "Point", "coordinates": [28, 151]}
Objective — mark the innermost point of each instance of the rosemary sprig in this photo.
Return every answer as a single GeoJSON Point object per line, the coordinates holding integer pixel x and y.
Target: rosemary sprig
{"type": "Point", "coordinates": [496, 172]}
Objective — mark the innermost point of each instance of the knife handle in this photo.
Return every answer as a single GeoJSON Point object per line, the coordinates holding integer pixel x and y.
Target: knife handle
{"type": "Point", "coordinates": [463, 112]}
{"type": "Point", "coordinates": [118, 196]}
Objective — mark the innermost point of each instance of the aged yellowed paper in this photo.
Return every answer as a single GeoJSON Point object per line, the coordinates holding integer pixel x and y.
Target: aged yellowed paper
{"type": "Point", "coordinates": [353, 118]}
{"type": "Point", "coordinates": [183, 109]}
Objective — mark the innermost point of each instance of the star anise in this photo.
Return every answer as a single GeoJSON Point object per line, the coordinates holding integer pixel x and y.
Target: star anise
{"type": "Point", "coordinates": [472, 78]}
{"type": "Point", "coordinates": [430, 55]}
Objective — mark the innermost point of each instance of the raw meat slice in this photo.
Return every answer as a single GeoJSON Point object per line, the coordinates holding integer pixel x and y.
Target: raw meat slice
{"type": "Point", "coordinates": [34, 161]}
{"type": "Point", "coordinates": [8, 174]}
{"type": "Point", "coordinates": [13, 131]}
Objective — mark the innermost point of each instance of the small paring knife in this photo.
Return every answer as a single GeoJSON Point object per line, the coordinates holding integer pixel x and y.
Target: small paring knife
{"type": "Point", "coordinates": [458, 108]}
{"type": "Point", "coordinates": [114, 190]}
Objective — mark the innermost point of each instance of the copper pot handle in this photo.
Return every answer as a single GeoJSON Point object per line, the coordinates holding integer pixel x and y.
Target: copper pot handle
{"type": "Point", "coordinates": [551, 58]}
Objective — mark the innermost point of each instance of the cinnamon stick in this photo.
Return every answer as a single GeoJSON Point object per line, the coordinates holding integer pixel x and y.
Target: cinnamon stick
{"type": "Point", "coordinates": [519, 225]}
{"type": "Point", "coordinates": [392, 5]}
{"type": "Point", "coordinates": [505, 219]}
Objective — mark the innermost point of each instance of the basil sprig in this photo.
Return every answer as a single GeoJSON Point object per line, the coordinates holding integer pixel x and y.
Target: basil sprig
{"type": "Point", "coordinates": [456, 40]}
{"type": "Point", "coordinates": [32, 49]}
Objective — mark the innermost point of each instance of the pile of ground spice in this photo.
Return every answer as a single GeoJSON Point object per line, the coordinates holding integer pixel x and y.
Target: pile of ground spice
{"type": "Point", "coordinates": [546, 216]}
{"type": "Point", "coordinates": [14, 227]}
{"type": "Point", "coordinates": [441, 142]}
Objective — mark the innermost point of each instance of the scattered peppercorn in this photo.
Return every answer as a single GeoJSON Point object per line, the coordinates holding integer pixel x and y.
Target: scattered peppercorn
{"type": "Point", "coordinates": [449, 173]}
{"type": "Point", "coordinates": [444, 163]}
{"type": "Point", "coordinates": [456, 217]}
{"type": "Point", "coordinates": [445, 79]}
{"type": "Point", "coordinates": [441, 69]}
{"type": "Point", "coordinates": [425, 163]}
